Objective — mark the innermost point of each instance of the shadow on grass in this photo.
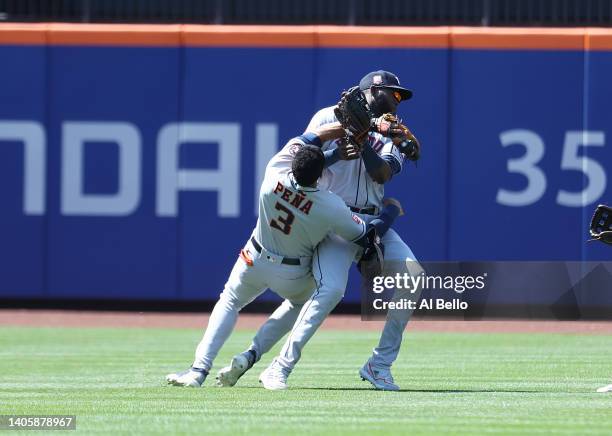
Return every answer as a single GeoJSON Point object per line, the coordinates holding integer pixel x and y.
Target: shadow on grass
{"type": "Point", "coordinates": [436, 391]}
{"type": "Point", "coordinates": [429, 391]}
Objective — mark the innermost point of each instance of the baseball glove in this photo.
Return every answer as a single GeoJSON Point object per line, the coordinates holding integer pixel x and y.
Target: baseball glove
{"type": "Point", "coordinates": [372, 261]}
{"type": "Point", "coordinates": [391, 126]}
{"type": "Point", "coordinates": [601, 224]}
{"type": "Point", "coordinates": [353, 112]}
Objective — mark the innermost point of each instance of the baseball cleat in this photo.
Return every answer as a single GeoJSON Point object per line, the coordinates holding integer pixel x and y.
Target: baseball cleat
{"type": "Point", "coordinates": [273, 378]}
{"type": "Point", "coordinates": [192, 378]}
{"type": "Point", "coordinates": [228, 376]}
{"type": "Point", "coordinates": [605, 389]}
{"type": "Point", "coordinates": [380, 378]}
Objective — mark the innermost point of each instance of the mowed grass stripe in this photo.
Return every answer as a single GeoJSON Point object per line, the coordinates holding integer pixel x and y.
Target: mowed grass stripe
{"type": "Point", "coordinates": [453, 383]}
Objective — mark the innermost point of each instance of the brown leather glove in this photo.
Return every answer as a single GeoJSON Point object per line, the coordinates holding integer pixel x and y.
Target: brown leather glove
{"type": "Point", "coordinates": [353, 112]}
{"type": "Point", "coordinates": [391, 126]}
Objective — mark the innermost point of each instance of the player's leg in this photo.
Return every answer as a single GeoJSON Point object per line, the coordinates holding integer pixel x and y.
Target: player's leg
{"type": "Point", "coordinates": [243, 286]}
{"type": "Point", "coordinates": [398, 259]}
{"type": "Point", "coordinates": [331, 262]}
{"type": "Point", "coordinates": [277, 326]}
{"type": "Point", "coordinates": [296, 287]}
{"type": "Point", "coordinates": [296, 293]}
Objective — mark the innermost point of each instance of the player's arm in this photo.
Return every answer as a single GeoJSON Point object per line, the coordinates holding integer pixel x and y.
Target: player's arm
{"type": "Point", "coordinates": [381, 168]}
{"type": "Point", "coordinates": [319, 135]}
{"type": "Point", "coordinates": [401, 143]}
{"type": "Point", "coordinates": [392, 209]}
{"type": "Point", "coordinates": [382, 223]}
{"type": "Point", "coordinates": [371, 263]}
{"type": "Point", "coordinates": [345, 150]}
{"type": "Point", "coordinates": [352, 228]}
{"type": "Point", "coordinates": [281, 161]}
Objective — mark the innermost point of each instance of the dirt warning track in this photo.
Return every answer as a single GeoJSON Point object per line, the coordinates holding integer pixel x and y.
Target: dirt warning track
{"type": "Point", "coordinates": [64, 318]}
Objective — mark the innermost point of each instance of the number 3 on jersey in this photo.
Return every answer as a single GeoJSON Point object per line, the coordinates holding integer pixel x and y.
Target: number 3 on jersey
{"type": "Point", "coordinates": [286, 221]}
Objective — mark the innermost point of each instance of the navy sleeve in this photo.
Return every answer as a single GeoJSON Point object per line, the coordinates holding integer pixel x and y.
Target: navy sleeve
{"type": "Point", "coordinates": [371, 160]}
{"type": "Point", "coordinates": [383, 222]}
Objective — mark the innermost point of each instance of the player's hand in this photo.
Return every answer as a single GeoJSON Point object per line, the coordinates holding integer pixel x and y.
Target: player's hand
{"type": "Point", "coordinates": [405, 135]}
{"type": "Point", "coordinates": [391, 126]}
{"type": "Point", "coordinates": [395, 202]}
{"type": "Point", "coordinates": [347, 150]}
{"type": "Point", "coordinates": [407, 143]}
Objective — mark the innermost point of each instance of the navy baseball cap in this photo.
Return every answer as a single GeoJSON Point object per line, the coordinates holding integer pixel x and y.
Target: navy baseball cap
{"type": "Point", "coordinates": [384, 79]}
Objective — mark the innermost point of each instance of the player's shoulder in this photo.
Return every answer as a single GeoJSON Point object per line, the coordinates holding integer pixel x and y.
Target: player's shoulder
{"type": "Point", "coordinates": [292, 146]}
{"type": "Point", "coordinates": [326, 112]}
{"type": "Point", "coordinates": [295, 140]}
{"type": "Point", "coordinates": [281, 161]}
{"type": "Point", "coordinates": [325, 115]}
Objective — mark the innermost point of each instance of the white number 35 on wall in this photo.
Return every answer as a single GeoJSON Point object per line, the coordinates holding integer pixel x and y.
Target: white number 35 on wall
{"type": "Point", "coordinates": [526, 165]}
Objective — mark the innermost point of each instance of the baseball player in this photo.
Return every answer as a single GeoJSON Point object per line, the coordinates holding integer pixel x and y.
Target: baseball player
{"type": "Point", "coordinates": [294, 216]}
{"type": "Point", "coordinates": [359, 180]}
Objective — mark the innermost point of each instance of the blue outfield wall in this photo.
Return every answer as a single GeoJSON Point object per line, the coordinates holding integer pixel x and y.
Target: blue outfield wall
{"type": "Point", "coordinates": [132, 173]}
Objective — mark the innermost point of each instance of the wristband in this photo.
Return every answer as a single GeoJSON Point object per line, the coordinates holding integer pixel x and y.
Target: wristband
{"type": "Point", "coordinates": [310, 139]}
{"type": "Point", "coordinates": [384, 221]}
{"type": "Point", "coordinates": [331, 156]}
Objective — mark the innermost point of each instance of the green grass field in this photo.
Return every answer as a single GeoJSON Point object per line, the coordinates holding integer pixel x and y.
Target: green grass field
{"type": "Point", "coordinates": [113, 380]}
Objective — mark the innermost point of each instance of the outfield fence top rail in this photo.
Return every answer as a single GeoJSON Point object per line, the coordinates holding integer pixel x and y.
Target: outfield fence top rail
{"type": "Point", "coordinates": [539, 13]}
